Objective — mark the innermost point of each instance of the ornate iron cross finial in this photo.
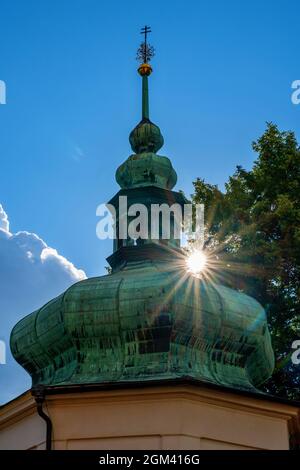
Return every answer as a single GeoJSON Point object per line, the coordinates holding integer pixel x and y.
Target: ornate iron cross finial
{"type": "Point", "coordinates": [145, 52]}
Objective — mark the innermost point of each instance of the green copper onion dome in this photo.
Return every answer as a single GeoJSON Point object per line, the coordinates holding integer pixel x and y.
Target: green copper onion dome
{"type": "Point", "coordinates": [146, 137]}
{"type": "Point", "coordinates": [149, 318]}
{"type": "Point", "coordinates": [147, 321]}
{"type": "Point", "coordinates": [146, 169]}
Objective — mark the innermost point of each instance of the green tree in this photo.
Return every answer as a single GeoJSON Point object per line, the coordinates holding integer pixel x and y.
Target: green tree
{"type": "Point", "coordinates": [253, 233]}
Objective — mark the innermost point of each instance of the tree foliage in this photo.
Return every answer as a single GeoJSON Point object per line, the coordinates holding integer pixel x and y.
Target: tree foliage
{"type": "Point", "coordinates": [253, 229]}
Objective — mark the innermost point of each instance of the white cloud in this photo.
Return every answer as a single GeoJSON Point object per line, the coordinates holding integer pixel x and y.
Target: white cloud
{"type": "Point", "coordinates": [31, 273]}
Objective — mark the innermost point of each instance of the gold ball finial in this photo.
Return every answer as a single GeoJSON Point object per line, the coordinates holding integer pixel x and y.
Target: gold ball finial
{"type": "Point", "coordinates": [145, 69]}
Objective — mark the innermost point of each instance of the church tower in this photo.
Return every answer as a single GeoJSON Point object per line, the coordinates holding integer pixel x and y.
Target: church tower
{"type": "Point", "coordinates": [148, 356]}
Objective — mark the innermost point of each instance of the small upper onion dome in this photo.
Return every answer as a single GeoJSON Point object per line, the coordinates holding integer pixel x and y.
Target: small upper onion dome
{"type": "Point", "coordinates": [146, 137]}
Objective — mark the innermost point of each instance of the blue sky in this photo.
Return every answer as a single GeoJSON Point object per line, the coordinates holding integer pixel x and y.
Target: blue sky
{"type": "Point", "coordinates": [222, 69]}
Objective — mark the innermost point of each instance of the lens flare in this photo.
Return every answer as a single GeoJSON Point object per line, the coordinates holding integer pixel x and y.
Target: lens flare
{"type": "Point", "coordinates": [196, 262]}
